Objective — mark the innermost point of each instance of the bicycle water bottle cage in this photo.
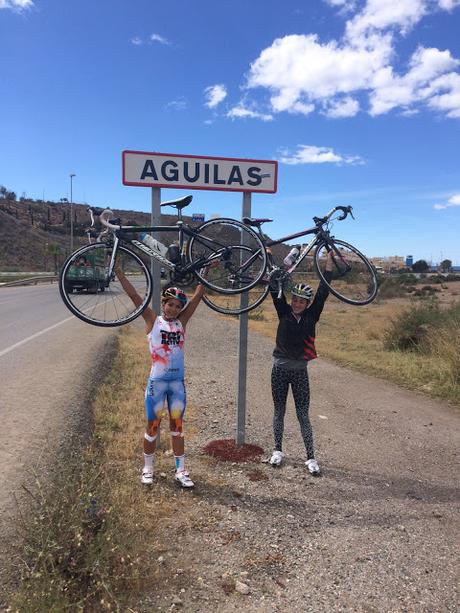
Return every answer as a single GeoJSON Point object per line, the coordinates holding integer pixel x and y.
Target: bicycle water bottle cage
{"type": "Point", "coordinates": [250, 221]}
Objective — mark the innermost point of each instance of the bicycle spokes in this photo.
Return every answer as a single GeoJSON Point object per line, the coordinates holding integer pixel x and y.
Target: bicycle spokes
{"type": "Point", "coordinates": [352, 277]}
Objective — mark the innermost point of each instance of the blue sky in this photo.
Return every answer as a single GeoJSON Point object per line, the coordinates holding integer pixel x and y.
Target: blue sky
{"type": "Point", "coordinates": [358, 100]}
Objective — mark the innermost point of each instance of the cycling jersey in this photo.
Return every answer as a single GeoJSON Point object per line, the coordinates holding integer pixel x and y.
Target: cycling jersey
{"type": "Point", "coordinates": [295, 338]}
{"type": "Point", "coordinates": [166, 345]}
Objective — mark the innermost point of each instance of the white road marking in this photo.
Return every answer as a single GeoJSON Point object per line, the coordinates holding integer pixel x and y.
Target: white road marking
{"type": "Point", "coordinates": [31, 338]}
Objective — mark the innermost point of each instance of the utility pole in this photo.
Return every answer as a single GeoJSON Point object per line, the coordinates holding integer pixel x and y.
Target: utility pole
{"type": "Point", "coordinates": [72, 175]}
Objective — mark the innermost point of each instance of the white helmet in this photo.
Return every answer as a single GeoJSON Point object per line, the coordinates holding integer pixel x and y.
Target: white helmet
{"type": "Point", "coordinates": [302, 291]}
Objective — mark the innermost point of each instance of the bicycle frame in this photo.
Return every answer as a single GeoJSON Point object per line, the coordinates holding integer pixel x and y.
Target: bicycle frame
{"type": "Point", "coordinates": [183, 230]}
{"type": "Point", "coordinates": [317, 231]}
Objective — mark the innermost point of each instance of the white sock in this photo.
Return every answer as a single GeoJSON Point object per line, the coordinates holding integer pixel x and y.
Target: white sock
{"type": "Point", "coordinates": [148, 461]}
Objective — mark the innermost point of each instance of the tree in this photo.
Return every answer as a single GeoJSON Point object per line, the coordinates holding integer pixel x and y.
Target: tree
{"type": "Point", "coordinates": [445, 265]}
{"type": "Point", "coordinates": [420, 266]}
{"type": "Point", "coordinates": [55, 251]}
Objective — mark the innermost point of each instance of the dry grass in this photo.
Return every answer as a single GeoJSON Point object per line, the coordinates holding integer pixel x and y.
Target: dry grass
{"type": "Point", "coordinates": [353, 337]}
{"type": "Point", "coordinates": [91, 538]}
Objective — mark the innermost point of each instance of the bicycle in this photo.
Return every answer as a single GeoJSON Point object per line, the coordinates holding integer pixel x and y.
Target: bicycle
{"type": "Point", "coordinates": [354, 279]}
{"type": "Point", "coordinates": [91, 291]}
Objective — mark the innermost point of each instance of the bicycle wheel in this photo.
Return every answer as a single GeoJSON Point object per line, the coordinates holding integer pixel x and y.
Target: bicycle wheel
{"type": "Point", "coordinates": [92, 296]}
{"type": "Point", "coordinates": [353, 277]}
{"type": "Point", "coordinates": [236, 252]}
{"type": "Point", "coordinates": [234, 304]}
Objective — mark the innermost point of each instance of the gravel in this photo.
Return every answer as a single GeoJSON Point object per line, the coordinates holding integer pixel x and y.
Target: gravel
{"type": "Point", "coordinates": [376, 533]}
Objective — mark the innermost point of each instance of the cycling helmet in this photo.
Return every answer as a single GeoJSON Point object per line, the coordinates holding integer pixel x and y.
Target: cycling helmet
{"type": "Point", "coordinates": [302, 291]}
{"type": "Point", "coordinates": [174, 292]}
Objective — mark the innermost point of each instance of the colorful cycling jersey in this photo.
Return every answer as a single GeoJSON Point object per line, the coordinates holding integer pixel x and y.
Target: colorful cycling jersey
{"type": "Point", "coordinates": [166, 345]}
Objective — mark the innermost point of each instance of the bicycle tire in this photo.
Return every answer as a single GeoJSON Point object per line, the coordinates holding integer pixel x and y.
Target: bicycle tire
{"type": "Point", "coordinates": [356, 283]}
{"type": "Point", "coordinates": [115, 307]}
{"type": "Point", "coordinates": [242, 260]}
{"type": "Point", "coordinates": [228, 304]}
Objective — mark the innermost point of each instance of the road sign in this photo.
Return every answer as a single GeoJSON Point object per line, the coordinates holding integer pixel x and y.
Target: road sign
{"type": "Point", "coordinates": [145, 169]}
{"type": "Point", "coordinates": [198, 217]}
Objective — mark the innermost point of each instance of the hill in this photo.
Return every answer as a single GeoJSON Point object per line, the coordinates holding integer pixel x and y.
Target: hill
{"type": "Point", "coordinates": [35, 235]}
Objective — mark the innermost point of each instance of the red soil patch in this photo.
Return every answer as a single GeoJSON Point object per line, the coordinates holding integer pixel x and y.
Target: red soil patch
{"type": "Point", "coordinates": [227, 450]}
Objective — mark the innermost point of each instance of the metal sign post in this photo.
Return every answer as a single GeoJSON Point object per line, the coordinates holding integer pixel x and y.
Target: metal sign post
{"type": "Point", "coordinates": [243, 349]}
{"type": "Point", "coordinates": [155, 267]}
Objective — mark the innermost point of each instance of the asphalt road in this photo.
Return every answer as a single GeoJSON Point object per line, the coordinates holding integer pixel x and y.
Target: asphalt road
{"type": "Point", "coordinates": [49, 364]}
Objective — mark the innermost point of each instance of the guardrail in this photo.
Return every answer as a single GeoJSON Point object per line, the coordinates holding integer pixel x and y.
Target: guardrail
{"type": "Point", "coordinates": [31, 281]}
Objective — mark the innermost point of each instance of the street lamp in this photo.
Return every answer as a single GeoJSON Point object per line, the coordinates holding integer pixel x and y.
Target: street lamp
{"type": "Point", "coordinates": [72, 175]}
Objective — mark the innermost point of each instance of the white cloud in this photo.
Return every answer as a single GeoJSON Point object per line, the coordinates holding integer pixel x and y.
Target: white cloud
{"type": "Point", "coordinates": [17, 5]}
{"type": "Point", "coordinates": [179, 104]}
{"type": "Point", "coordinates": [303, 74]}
{"type": "Point", "coordinates": [298, 68]}
{"type": "Point", "coordinates": [240, 111]}
{"type": "Point", "coordinates": [136, 40]}
{"type": "Point", "coordinates": [382, 14]}
{"type": "Point", "coordinates": [309, 154]}
{"type": "Point", "coordinates": [448, 5]}
{"type": "Point", "coordinates": [345, 6]}
{"type": "Point", "coordinates": [424, 81]}
{"type": "Point", "coordinates": [345, 107]}
{"type": "Point", "coordinates": [157, 38]}
{"type": "Point", "coordinates": [214, 95]}
{"type": "Point", "coordinates": [453, 201]}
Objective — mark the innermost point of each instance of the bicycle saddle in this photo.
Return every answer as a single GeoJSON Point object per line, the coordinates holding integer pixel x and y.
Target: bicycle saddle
{"type": "Point", "coordinates": [179, 204]}
{"type": "Point", "coordinates": [250, 221]}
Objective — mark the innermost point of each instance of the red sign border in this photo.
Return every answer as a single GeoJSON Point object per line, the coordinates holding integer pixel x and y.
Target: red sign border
{"type": "Point", "coordinates": [200, 157]}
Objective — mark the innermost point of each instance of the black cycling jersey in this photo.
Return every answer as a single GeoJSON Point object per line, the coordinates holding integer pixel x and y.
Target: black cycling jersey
{"type": "Point", "coordinates": [295, 339]}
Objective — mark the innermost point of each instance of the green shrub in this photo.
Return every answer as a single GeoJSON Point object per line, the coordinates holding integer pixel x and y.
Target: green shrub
{"type": "Point", "coordinates": [417, 326]}
{"type": "Point", "coordinates": [392, 287]}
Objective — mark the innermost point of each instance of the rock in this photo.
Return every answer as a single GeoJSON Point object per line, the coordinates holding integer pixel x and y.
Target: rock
{"type": "Point", "coordinates": [242, 588]}
{"type": "Point", "coordinates": [177, 602]}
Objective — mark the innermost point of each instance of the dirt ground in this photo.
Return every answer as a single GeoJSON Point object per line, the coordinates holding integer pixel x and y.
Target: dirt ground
{"type": "Point", "coordinates": [375, 534]}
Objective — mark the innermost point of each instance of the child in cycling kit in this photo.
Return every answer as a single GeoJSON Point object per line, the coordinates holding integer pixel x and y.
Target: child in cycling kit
{"type": "Point", "coordinates": [165, 337]}
{"type": "Point", "coordinates": [295, 347]}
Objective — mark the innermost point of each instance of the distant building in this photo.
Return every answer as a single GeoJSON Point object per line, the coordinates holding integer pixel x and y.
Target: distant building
{"type": "Point", "coordinates": [409, 260]}
{"type": "Point", "coordinates": [386, 264]}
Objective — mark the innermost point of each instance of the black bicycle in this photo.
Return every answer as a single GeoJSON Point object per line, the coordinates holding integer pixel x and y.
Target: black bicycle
{"type": "Point", "coordinates": [231, 253]}
{"type": "Point", "coordinates": [354, 279]}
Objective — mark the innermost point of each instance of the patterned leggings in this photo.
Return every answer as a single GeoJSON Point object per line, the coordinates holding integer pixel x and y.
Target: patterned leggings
{"type": "Point", "coordinates": [281, 378]}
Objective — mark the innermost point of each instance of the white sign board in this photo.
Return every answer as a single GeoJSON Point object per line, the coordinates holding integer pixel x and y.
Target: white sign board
{"type": "Point", "coordinates": [146, 169]}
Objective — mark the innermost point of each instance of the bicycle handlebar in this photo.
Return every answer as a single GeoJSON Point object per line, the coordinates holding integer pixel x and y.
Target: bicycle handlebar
{"type": "Point", "coordinates": [102, 214]}
{"type": "Point", "coordinates": [346, 210]}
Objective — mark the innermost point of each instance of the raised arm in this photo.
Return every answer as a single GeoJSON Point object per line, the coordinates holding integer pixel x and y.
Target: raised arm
{"type": "Point", "coordinates": [323, 291]}
{"type": "Point", "coordinates": [192, 304]}
{"type": "Point", "coordinates": [148, 314]}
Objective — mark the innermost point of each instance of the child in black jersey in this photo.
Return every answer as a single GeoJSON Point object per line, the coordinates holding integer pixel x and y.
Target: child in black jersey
{"type": "Point", "coordinates": [295, 347]}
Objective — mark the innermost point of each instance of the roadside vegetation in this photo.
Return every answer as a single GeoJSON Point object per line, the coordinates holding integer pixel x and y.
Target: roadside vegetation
{"type": "Point", "coordinates": [410, 334]}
